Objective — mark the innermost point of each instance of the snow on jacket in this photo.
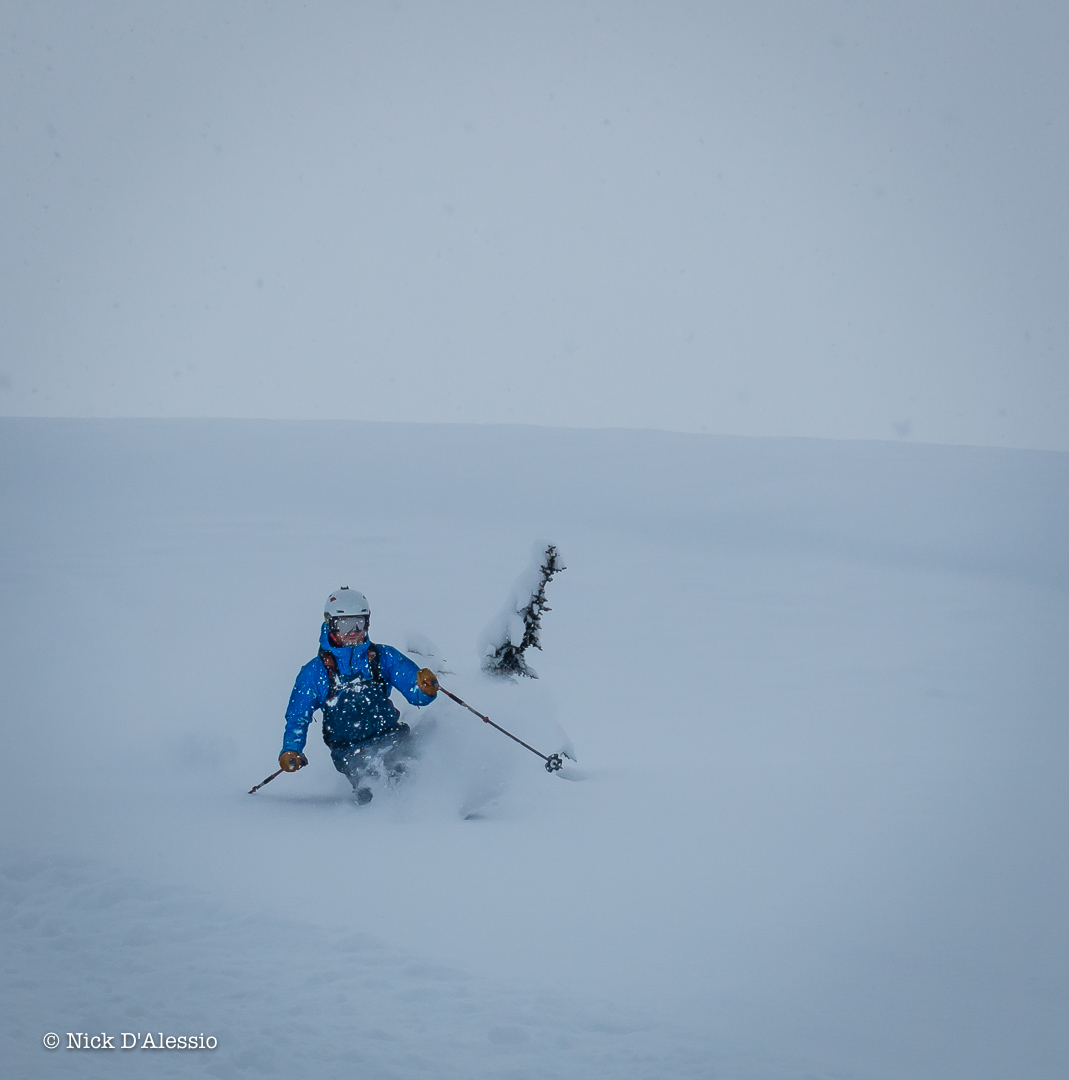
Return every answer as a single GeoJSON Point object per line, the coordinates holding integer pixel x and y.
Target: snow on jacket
{"type": "Point", "coordinates": [312, 688]}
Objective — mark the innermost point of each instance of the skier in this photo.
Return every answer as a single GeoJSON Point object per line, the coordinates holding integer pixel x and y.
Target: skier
{"type": "Point", "coordinates": [350, 681]}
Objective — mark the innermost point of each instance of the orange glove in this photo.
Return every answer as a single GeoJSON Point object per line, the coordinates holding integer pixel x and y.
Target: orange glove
{"type": "Point", "coordinates": [291, 760]}
{"type": "Point", "coordinates": [427, 681]}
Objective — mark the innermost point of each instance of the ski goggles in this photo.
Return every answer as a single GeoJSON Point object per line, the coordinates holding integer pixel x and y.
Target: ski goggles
{"type": "Point", "coordinates": [346, 624]}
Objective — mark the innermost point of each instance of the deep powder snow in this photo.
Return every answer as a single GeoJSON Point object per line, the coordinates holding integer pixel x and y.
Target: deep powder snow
{"type": "Point", "coordinates": [817, 692]}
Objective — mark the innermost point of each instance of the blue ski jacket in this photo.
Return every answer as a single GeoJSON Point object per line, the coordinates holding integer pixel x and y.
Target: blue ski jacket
{"type": "Point", "coordinates": [312, 688]}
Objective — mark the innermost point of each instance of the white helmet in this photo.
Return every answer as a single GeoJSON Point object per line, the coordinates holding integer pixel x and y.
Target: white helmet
{"type": "Point", "coordinates": [345, 601]}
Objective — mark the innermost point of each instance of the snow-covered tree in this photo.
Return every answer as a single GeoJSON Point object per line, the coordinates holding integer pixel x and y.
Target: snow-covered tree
{"type": "Point", "coordinates": [518, 627]}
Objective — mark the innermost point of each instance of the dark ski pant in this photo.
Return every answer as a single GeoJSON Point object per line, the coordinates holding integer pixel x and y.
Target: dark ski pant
{"type": "Point", "coordinates": [385, 755]}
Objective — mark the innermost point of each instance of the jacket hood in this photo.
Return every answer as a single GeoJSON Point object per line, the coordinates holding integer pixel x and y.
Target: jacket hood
{"type": "Point", "coordinates": [350, 652]}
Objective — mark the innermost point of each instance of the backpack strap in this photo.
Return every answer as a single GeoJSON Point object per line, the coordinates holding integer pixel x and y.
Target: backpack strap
{"type": "Point", "coordinates": [374, 664]}
{"type": "Point", "coordinates": [330, 662]}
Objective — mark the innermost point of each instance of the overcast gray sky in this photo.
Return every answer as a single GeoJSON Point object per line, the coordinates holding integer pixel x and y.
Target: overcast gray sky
{"type": "Point", "coordinates": [829, 219]}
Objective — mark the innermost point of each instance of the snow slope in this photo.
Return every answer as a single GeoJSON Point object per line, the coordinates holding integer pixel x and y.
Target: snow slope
{"type": "Point", "coordinates": [817, 690]}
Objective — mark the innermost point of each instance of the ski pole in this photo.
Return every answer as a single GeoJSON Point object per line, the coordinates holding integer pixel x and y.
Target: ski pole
{"type": "Point", "coordinates": [267, 781]}
{"type": "Point", "coordinates": [553, 761]}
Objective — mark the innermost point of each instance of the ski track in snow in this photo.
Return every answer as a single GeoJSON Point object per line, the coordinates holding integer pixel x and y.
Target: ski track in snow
{"type": "Point", "coordinates": [817, 692]}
